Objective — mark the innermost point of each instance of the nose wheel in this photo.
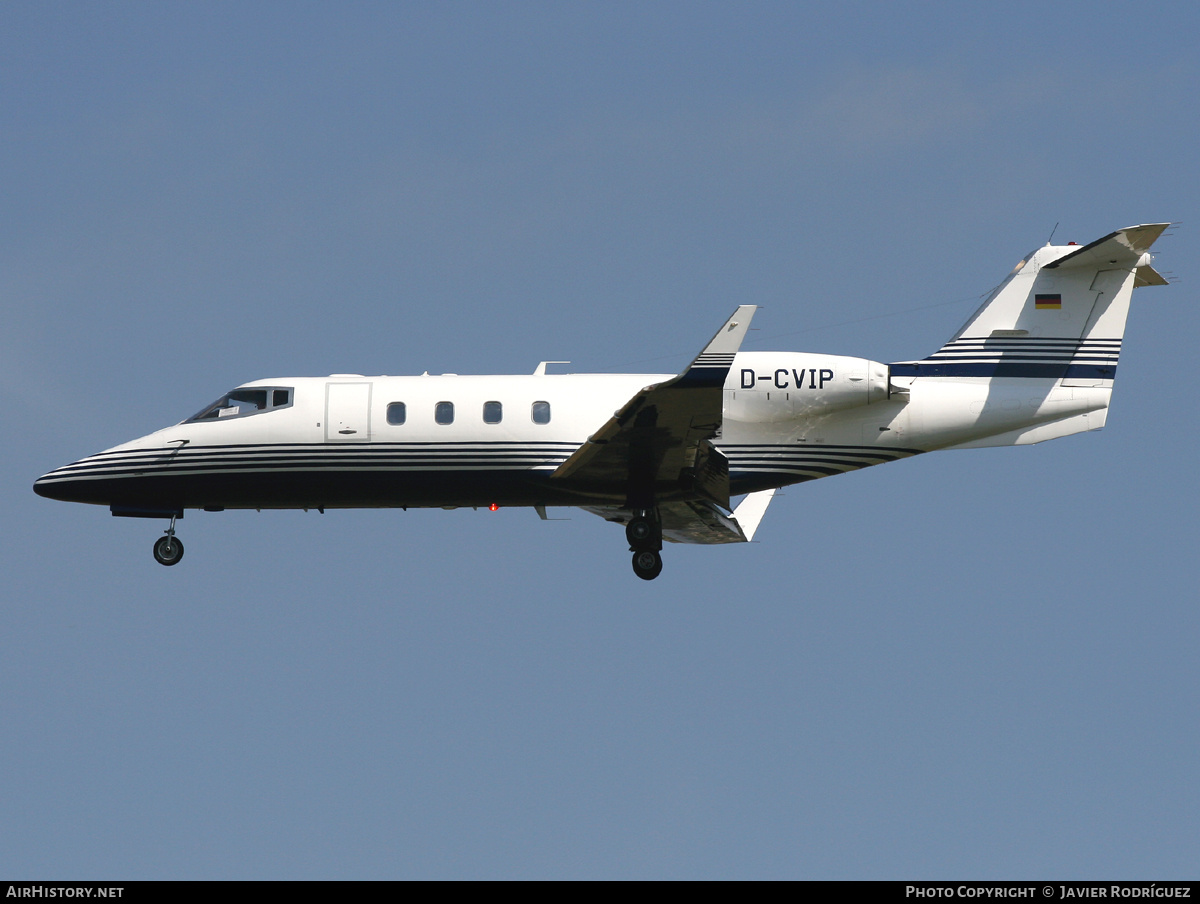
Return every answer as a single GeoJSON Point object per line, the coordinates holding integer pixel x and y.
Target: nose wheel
{"type": "Point", "coordinates": [168, 550]}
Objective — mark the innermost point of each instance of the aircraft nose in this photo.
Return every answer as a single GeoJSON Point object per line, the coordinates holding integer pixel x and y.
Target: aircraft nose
{"type": "Point", "coordinates": [58, 484]}
{"type": "Point", "coordinates": [48, 486]}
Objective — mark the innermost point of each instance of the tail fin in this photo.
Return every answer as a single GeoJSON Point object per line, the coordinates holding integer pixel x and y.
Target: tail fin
{"type": "Point", "coordinates": [1060, 314]}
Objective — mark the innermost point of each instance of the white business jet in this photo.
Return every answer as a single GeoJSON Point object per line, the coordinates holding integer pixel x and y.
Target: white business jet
{"type": "Point", "coordinates": [661, 454]}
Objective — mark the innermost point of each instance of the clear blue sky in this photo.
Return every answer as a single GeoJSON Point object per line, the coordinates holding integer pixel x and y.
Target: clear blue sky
{"type": "Point", "coordinates": [971, 664]}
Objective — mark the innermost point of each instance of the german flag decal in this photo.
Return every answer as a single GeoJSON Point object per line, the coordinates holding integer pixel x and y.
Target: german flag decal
{"type": "Point", "coordinates": [1048, 302]}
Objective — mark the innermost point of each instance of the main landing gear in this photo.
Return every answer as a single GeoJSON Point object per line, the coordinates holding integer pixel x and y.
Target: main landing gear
{"type": "Point", "coordinates": [644, 534]}
{"type": "Point", "coordinates": [647, 564]}
{"type": "Point", "coordinates": [169, 549]}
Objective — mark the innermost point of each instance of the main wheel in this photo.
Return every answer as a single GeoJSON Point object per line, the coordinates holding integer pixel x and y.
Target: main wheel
{"type": "Point", "coordinates": [638, 531]}
{"type": "Point", "coordinates": [168, 550]}
{"type": "Point", "coordinates": [647, 565]}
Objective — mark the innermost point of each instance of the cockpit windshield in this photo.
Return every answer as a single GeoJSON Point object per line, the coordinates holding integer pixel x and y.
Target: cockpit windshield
{"type": "Point", "coordinates": [242, 402]}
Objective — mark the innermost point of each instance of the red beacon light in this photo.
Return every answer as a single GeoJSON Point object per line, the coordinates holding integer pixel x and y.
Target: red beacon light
{"type": "Point", "coordinates": [493, 507]}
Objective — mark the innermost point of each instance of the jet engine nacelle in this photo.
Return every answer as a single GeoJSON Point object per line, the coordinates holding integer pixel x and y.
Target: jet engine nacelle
{"type": "Point", "coordinates": [765, 387]}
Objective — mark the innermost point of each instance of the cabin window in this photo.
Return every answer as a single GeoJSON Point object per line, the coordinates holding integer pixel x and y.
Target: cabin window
{"type": "Point", "coordinates": [541, 412]}
{"type": "Point", "coordinates": [492, 412]}
{"type": "Point", "coordinates": [444, 413]}
{"type": "Point", "coordinates": [396, 413]}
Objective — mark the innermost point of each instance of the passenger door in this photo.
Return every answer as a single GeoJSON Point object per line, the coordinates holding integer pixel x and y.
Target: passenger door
{"type": "Point", "coordinates": [347, 412]}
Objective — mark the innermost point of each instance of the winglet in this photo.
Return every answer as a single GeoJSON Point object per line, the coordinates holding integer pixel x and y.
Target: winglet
{"type": "Point", "coordinates": [660, 432]}
{"type": "Point", "coordinates": [750, 511]}
{"type": "Point", "coordinates": [712, 364]}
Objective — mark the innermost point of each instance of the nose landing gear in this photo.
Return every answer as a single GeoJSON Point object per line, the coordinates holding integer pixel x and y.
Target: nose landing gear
{"type": "Point", "coordinates": [168, 550]}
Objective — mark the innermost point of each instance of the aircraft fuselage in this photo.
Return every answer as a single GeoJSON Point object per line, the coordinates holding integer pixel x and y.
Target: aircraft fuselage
{"type": "Point", "coordinates": [342, 441]}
